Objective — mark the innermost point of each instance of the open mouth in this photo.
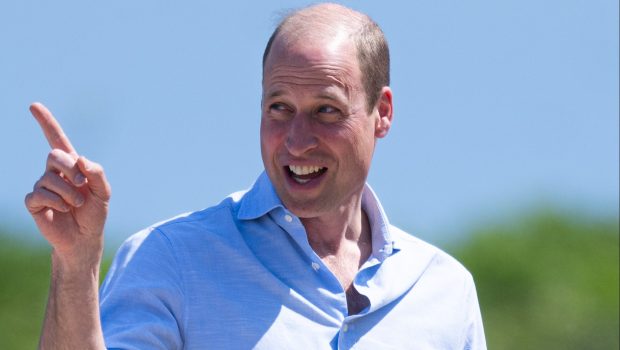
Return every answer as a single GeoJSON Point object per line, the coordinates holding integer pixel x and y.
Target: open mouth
{"type": "Point", "coordinates": [303, 173]}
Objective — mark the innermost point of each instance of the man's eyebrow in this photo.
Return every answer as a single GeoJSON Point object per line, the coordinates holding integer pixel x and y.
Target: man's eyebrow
{"type": "Point", "coordinates": [275, 93]}
{"type": "Point", "coordinates": [322, 95]}
{"type": "Point", "coordinates": [328, 97]}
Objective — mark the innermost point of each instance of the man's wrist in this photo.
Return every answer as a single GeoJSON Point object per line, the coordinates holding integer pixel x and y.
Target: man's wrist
{"type": "Point", "coordinates": [80, 265]}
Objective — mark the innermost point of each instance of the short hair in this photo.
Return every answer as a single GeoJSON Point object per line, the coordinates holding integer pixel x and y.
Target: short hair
{"type": "Point", "coordinates": [372, 49]}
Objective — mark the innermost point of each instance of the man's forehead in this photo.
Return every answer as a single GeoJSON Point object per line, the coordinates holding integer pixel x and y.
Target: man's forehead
{"type": "Point", "coordinates": [338, 49]}
{"type": "Point", "coordinates": [313, 65]}
{"type": "Point", "coordinates": [314, 61]}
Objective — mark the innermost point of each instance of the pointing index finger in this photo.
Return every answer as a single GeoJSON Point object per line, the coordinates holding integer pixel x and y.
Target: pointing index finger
{"type": "Point", "coordinates": [51, 128]}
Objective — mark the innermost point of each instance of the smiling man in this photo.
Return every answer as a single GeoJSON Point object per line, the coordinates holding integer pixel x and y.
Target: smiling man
{"type": "Point", "coordinates": [304, 259]}
{"type": "Point", "coordinates": [318, 134]}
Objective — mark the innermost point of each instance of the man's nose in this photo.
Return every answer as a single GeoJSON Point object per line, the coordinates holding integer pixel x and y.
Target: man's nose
{"type": "Point", "coordinates": [300, 138]}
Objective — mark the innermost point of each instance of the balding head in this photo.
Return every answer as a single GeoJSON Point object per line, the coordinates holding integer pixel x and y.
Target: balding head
{"type": "Point", "coordinates": [327, 21]}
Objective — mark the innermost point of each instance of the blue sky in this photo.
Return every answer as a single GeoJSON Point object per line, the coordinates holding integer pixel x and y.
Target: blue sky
{"type": "Point", "coordinates": [500, 106]}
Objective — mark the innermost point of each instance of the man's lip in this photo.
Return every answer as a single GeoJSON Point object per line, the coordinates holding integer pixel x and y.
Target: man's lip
{"type": "Point", "coordinates": [310, 171]}
{"type": "Point", "coordinates": [309, 162]}
{"type": "Point", "coordinates": [306, 181]}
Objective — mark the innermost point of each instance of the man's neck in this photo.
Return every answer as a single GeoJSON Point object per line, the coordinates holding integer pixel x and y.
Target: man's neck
{"type": "Point", "coordinates": [343, 241]}
{"type": "Point", "coordinates": [335, 233]}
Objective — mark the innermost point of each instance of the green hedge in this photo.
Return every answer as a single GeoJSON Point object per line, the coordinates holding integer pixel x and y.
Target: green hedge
{"type": "Point", "coordinates": [547, 282]}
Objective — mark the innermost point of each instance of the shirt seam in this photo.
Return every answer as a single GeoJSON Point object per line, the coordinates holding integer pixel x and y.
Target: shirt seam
{"type": "Point", "coordinates": [183, 282]}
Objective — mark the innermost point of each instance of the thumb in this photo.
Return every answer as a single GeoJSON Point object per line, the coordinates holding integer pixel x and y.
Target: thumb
{"type": "Point", "coordinates": [97, 182]}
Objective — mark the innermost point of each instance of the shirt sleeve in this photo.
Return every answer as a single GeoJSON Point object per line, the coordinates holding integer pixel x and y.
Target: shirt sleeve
{"type": "Point", "coordinates": [141, 300]}
{"type": "Point", "coordinates": [475, 331]}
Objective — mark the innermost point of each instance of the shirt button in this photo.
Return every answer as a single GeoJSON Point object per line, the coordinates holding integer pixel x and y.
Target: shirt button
{"type": "Point", "coordinates": [288, 218]}
{"type": "Point", "coordinates": [316, 266]}
{"type": "Point", "coordinates": [345, 327]}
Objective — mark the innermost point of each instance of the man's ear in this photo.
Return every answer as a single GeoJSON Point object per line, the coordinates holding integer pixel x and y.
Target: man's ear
{"type": "Point", "coordinates": [385, 109]}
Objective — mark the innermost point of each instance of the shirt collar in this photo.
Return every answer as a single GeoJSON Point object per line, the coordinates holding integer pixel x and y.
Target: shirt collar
{"type": "Point", "coordinates": [259, 200]}
{"type": "Point", "coordinates": [382, 240]}
{"type": "Point", "coordinates": [262, 199]}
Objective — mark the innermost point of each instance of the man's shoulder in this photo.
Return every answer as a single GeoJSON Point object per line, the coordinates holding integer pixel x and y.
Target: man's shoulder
{"type": "Point", "coordinates": [435, 258]}
{"type": "Point", "coordinates": [209, 221]}
{"type": "Point", "coordinates": [203, 218]}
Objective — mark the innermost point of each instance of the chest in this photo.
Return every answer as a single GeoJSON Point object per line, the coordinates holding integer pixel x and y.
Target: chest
{"type": "Point", "coordinates": [280, 318]}
{"type": "Point", "coordinates": [269, 295]}
{"type": "Point", "coordinates": [345, 274]}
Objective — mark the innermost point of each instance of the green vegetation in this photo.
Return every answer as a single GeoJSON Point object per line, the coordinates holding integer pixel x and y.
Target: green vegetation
{"type": "Point", "coordinates": [544, 282]}
{"type": "Point", "coordinates": [547, 282]}
{"type": "Point", "coordinates": [24, 282]}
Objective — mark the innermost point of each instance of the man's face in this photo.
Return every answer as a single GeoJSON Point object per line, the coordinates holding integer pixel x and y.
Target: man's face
{"type": "Point", "coordinates": [317, 137]}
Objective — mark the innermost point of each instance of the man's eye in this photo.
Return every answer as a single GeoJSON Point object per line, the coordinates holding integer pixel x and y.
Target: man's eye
{"type": "Point", "coordinates": [279, 111]}
{"type": "Point", "coordinates": [327, 109]}
{"type": "Point", "coordinates": [277, 107]}
{"type": "Point", "coordinates": [328, 114]}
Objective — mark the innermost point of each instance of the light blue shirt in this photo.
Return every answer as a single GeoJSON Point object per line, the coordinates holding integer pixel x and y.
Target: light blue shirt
{"type": "Point", "coordinates": [242, 275]}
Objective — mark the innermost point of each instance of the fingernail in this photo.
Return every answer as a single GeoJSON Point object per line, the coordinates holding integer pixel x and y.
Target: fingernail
{"type": "Point", "coordinates": [79, 201]}
{"type": "Point", "coordinates": [79, 179]}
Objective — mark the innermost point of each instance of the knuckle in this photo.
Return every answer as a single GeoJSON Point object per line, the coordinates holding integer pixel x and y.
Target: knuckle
{"type": "Point", "coordinates": [108, 194]}
{"type": "Point", "coordinates": [28, 199]}
{"type": "Point", "coordinates": [44, 180]}
{"type": "Point", "coordinates": [96, 168]}
{"type": "Point", "coordinates": [61, 158]}
{"type": "Point", "coordinates": [32, 201]}
{"type": "Point", "coordinates": [39, 182]}
{"type": "Point", "coordinates": [55, 154]}
{"type": "Point", "coordinates": [105, 193]}
{"type": "Point", "coordinates": [50, 158]}
{"type": "Point", "coordinates": [36, 193]}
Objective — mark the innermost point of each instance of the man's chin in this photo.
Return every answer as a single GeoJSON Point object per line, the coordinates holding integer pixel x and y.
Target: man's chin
{"type": "Point", "coordinates": [304, 208]}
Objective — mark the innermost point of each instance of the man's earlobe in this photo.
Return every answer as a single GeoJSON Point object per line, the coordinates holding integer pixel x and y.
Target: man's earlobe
{"type": "Point", "coordinates": [383, 126]}
{"type": "Point", "coordinates": [386, 110]}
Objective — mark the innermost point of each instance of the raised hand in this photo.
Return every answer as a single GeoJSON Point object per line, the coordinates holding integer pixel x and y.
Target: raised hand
{"type": "Point", "coordinates": [69, 203]}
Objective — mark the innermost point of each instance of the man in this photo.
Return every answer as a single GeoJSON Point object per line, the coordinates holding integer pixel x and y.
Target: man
{"type": "Point", "coordinates": [305, 259]}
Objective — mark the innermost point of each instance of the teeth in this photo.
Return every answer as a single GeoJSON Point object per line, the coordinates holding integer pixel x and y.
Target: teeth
{"type": "Point", "coordinates": [304, 169]}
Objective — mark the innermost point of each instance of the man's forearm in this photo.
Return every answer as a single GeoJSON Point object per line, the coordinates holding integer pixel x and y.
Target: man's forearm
{"type": "Point", "coordinates": [72, 315]}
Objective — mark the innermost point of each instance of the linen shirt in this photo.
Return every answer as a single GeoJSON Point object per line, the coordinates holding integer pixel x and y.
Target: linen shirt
{"type": "Point", "coordinates": [242, 275]}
